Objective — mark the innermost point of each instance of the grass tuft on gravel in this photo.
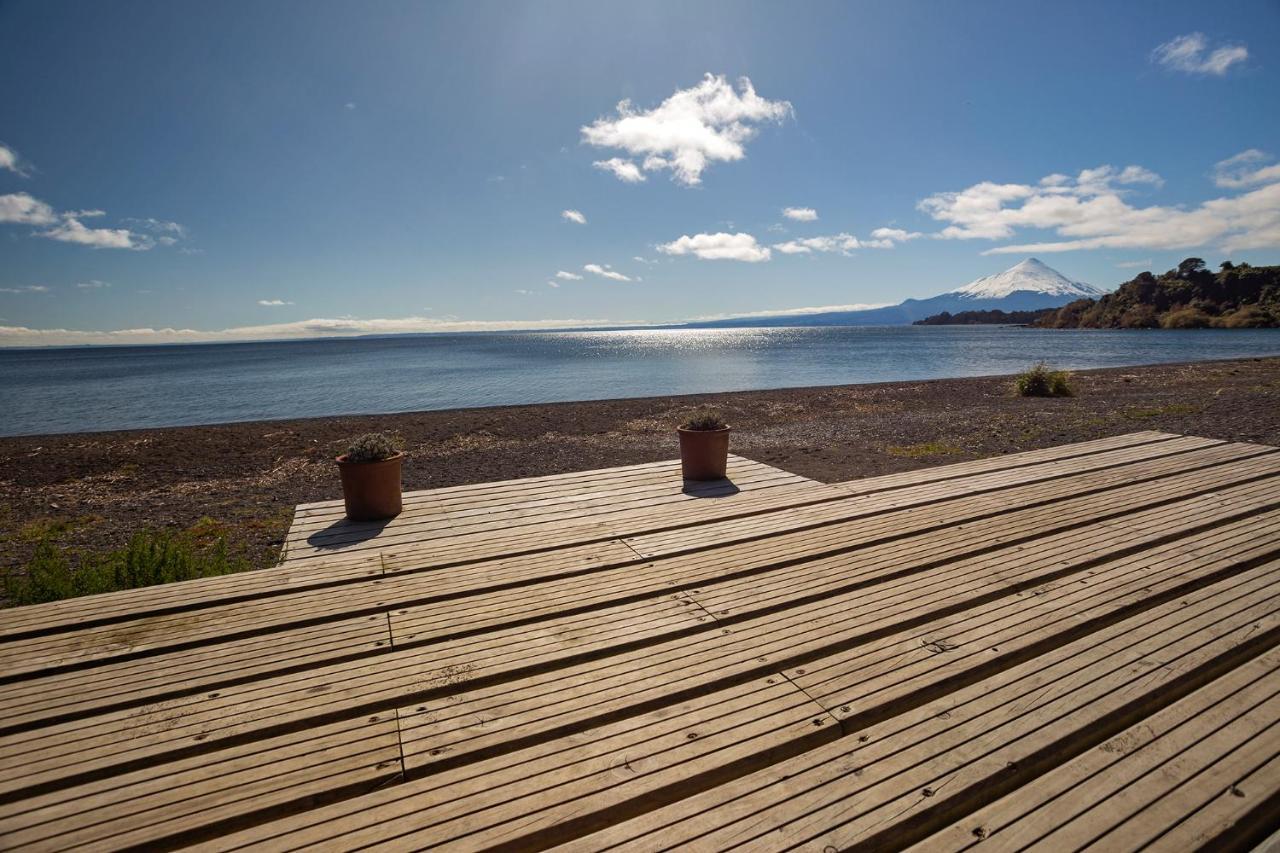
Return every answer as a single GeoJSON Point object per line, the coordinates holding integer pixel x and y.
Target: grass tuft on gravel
{"type": "Point", "coordinates": [1041, 381]}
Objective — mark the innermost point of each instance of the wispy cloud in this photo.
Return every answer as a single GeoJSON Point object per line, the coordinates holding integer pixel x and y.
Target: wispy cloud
{"type": "Point", "coordinates": [93, 284]}
{"type": "Point", "coordinates": [881, 238]}
{"type": "Point", "coordinates": [551, 283]}
{"type": "Point", "coordinates": [718, 247]}
{"type": "Point", "coordinates": [1191, 54]}
{"type": "Point", "coordinates": [72, 230]}
{"type": "Point", "coordinates": [30, 288]}
{"type": "Point", "coordinates": [707, 123]}
{"type": "Point", "coordinates": [1091, 211]}
{"type": "Point", "coordinates": [10, 161]}
{"type": "Point", "coordinates": [791, 312]}
{"type": "Point", "coordinates": [624, 170]}
{"type": "Point", "coordinates": [573, 216]}
{"type": "Point", "coordinates": [800, 214]}
{"type": "Point", "coordinates": [316, 328]}
{"type": "Point", "coordinates": [67, 227]}
{"type": "Point", "coordinates": [273, 303]}
{"type": "Point", "coordinates": [568, 276]}
{"type": "Point", "coordinates": [1246, 169]}
{"type": "Point", "coordinates": [605, 271]}
{"type": "Point", "coordinates": [1135, 265]}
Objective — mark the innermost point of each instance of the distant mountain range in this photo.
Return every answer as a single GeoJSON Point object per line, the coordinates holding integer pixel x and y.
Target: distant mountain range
{"type": "Point", "coordinates": [1027, 286]}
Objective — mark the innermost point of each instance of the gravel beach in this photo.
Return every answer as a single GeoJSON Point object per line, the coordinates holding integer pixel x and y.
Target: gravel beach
{"type": "Point", "coordinates": [242, 480]}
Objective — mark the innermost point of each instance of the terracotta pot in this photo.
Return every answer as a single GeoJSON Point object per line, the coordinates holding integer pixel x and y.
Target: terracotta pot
{"type": "Point", "coordinates": [704, 453]}
{"type": "Point", "coordinates": [371, 490]}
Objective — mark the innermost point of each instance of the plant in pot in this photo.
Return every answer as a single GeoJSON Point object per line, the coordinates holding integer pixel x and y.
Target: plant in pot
{"type": "Point", "coordinates": [704, 446]}
{"type": "Point", "coordinates": [370, 472]}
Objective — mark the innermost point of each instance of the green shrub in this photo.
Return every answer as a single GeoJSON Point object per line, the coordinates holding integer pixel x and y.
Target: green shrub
{"type": "Point", "coordinates": [1186, 318]}
{"type": "Point", "coordinates": [1248, 317]}
{"type": "Point", "coordinates": [373, 447]}
{"type": "Point", "coordinates": [1040, 381]}
{"type": "Point", "coordinates": [149, 559]}
{"type": "Point", "coordinates": [704, 420]}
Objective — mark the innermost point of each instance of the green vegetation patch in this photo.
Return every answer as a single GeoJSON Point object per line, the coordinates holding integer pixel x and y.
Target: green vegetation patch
{"type": "Point", "coordinates": [1042, 381]}
{"type": "Point", "coordinates": [149, 559]}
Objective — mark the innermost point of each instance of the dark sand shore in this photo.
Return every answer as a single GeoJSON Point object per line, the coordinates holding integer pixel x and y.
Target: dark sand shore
{"type": "Point", "coordinates": [242, 480]}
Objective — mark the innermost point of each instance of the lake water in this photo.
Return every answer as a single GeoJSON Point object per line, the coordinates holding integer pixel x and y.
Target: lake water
{"type": "Point", "coordinates": [83, 389]}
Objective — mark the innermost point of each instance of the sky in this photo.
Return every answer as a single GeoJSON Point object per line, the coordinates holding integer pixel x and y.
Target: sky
{"type": "Point", "coordinates": [180, 171]}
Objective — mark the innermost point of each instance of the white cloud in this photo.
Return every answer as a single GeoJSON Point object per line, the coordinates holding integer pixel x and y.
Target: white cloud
{"type": "Point", "coordinates": [688, 131]}
{"type": "Point", "coordinates": [843, 243]}
{"type": "Point", "coordinates": [273, 303]}
{"type": "Point", "coordinates": [72, 230]}
{"type": "Point", "coordinates": [21, 336]}
{"type": "Point", "coordinates": [351, 105]}
{"type": "Point", "coordinates": [718, 247]}
{"type": "Point", "coordinates": [881, 238]}
{"type": "Point", "coordinates": [30, 288]}
{"type": "Point", "coordinates": [792, 312]}
{"type": "Point", "coordinates": [895, 235]}
{"type": "Point", "coordinates": [605, 271]}
{"type": "Point", "coordinates": [551, 283]}
{"type": "Point", "coordinates": [525, 292]}
{"type": "Point", "coordinates": [66, 227]}
{"type": "Point", "coordinates": [1191, 54]}
{"type": "Point", "coordinates": [1133, 265]}
{"type": "Point", "coordinates": [573, 216]}
{"type": "Point", "coordinates": [93, 284]}
{"type": "Point", "coordinates": [800, 214]}
{"type": "Point", "coordinates": [568, 276]}
{"type": "Point", "coordinates": [1091, 213]}
{"type": "Point", "coordinates": [10, 161]}
{"type": "Point", "coordinates": [1245, 169]}
{"type": "Point", "coordinates": [623, 170]}
{"type": "Point", "coordinates": [22, 209]}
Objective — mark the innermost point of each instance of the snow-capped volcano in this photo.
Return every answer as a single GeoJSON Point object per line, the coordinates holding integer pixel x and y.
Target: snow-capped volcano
{"type": "Point", "coordinates": [1030, 276]}
{"type": "Point", "coordinates": [1028, 286]}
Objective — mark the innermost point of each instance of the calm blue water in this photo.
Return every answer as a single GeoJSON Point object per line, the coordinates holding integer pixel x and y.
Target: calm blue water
{"type": "Point", "coordinates": [76, 390]}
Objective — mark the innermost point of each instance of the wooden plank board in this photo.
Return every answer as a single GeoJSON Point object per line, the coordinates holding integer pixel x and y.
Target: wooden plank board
{"type": "Point", "coordinates": [180, 798]}
{"type": "Point", "coordinates": [336, 570]}
{"type": "Point", "coordinates": [125, 683]}
{"type": "Point", "coordinates": [210, 718]}
{"type": "Point", "coordinates": [415, 808]}
{"type": "Point", "coordinates": [243, 619]}
{"type": "Point", "coordinates": [586, 778]}
{"type": "Point", "coordinates": [648, 515]}
{"type": "Point", "coordinates": [482, 719]}
{"type": "Point", "coordinates": [601, 659]}
{"type": "Point", "coordinates": [922, 769]}
{"type": "Point", "coordinates": [1085, 801]}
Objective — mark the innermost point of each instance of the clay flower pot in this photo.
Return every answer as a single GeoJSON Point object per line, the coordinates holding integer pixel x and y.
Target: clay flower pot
{"type": "Point", "coordinates": [371, 490]}
{"type": "Point", "coordinates": [704, 453]}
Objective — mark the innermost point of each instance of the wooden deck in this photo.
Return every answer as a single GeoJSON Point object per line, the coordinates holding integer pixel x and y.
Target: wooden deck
{"type": "Point", "coordinates": [1060, 649]}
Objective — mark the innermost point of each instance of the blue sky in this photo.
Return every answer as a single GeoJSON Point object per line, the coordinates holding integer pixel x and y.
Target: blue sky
{"type": "Point", "coordinates": [406, 166]}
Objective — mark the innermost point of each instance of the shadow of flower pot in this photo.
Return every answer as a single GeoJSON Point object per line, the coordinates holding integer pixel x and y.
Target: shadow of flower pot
{"type": "Point", "coordinates": [344, 533]}
{"type": "Point", "coordinates": [710, 488]}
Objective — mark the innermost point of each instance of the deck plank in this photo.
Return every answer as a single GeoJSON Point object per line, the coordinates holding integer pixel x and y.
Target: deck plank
{"type": "Point", "coordinates": [1075, 646]}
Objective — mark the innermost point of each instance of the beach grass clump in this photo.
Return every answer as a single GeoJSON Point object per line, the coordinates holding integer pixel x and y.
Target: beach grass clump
{"type": "Point", "coordinates": [704, 420]}
{"type": "Point", "coordinates": [373, 447]}
{"type": "Point", "coordinates": [1042, 381]}
{"type": "Point", "coordinates": [149, 558]}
